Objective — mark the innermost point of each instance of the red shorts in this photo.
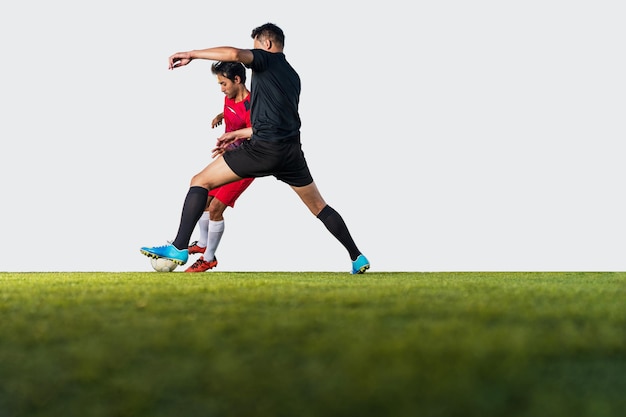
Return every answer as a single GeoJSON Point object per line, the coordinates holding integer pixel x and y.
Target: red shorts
{"type": "Point", "coordinates": [229, 193]}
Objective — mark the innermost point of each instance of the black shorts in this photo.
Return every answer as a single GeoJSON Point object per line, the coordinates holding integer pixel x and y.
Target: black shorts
{"type": "Point", "coordinates": [261, 158]}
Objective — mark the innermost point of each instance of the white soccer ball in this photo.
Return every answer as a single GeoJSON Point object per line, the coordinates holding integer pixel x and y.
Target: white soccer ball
{"type": "Point", "coordinates": [163, 265]}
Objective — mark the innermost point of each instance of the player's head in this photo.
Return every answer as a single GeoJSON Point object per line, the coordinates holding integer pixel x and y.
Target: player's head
{"type": "Point", "coordinates": [269, 36]}
{"type": "Point", "coordinates": [231, 76]}
{"type": "Point", "coordinates": [230, 70]}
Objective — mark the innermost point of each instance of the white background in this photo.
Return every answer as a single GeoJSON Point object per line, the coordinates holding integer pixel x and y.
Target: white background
{"type": "Point", "coordinates": [450, 135]}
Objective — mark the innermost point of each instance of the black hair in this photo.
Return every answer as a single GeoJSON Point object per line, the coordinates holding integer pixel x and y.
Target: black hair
{"type": "Point", "coordinates": [229, 70]}
{"type": "Point", "coordinates": [270, 31]}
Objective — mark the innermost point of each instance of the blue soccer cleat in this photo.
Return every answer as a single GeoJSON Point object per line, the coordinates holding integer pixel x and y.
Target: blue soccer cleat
{"type": "Point", "coordinates": [171, 252]}
{"type": "Point", "coordinates": [360, 265]}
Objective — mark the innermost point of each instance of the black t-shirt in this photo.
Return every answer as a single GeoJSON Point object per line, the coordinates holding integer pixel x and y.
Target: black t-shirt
{"type": "Point", "coordinates": [275, 95]}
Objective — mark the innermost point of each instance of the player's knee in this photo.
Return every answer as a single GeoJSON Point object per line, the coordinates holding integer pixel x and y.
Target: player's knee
{"type": "Point", "coordinates": [216, 209]}
{"type": "Point", "coordinates": [199, 181]}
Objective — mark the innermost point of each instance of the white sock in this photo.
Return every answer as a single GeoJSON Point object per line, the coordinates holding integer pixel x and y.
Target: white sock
{"type": "Point", "coordinates": [216, 230]}
{"type": "Point", "coordinates": [203, 225]}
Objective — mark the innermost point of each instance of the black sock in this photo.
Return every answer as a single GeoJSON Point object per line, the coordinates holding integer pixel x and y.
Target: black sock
{"type": "Point", "coordinates": [335, 225]}
{"type": "Point", "coordinates": [195, 203]}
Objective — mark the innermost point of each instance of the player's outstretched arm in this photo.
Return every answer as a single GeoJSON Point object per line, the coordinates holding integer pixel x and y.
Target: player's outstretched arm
{"type": "Point", "coordinates": [219, 53]}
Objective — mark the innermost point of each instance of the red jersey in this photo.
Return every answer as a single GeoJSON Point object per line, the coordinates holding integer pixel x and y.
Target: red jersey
{"type": "Point", "coordinates": [236, 116]}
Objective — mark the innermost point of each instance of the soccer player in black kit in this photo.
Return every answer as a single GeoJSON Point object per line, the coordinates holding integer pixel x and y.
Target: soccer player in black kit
{"type": "Point", "coordinates": [273, 149]}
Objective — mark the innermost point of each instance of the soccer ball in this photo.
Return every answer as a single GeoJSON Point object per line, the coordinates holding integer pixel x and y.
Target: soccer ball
{"type": "Point", "coordinates": [163, 265]}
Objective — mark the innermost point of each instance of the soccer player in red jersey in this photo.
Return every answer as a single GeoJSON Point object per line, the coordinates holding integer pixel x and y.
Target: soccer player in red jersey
{"type": "Point", "coordinates": [231, 76]}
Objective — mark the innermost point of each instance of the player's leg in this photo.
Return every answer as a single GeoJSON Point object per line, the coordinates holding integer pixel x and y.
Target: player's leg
{"type": "Point", "coordinates": [311, 197]}
{"type": "Point", "coordinates": [213, 175]}
{"type": "Point", "coordinates": [224, 196]}
{"type": "Point", "coordinates": [215, 231]}
{"type": "Point", "coordinates": [199, 245]}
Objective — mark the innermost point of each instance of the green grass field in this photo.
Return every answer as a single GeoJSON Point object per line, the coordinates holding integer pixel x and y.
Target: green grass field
{"type": "Point", "coordinates": [312, 344]}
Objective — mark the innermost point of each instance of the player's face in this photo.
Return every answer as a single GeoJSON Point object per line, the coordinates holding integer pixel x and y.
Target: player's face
{"type": "Point", "coordinates": [228, 87]}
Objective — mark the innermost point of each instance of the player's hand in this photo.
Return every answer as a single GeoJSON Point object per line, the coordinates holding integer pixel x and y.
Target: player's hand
{"type": "Point", "coordinates": [222, 143]}
{"type": "Point", "coordinates": [179, 59]}
{"type": "Point", "coordinates": [217, 120]}
{"type": "Point", "coordinates": [226, 139]}
{"type": "Point", "coordinates": [217, 152]}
